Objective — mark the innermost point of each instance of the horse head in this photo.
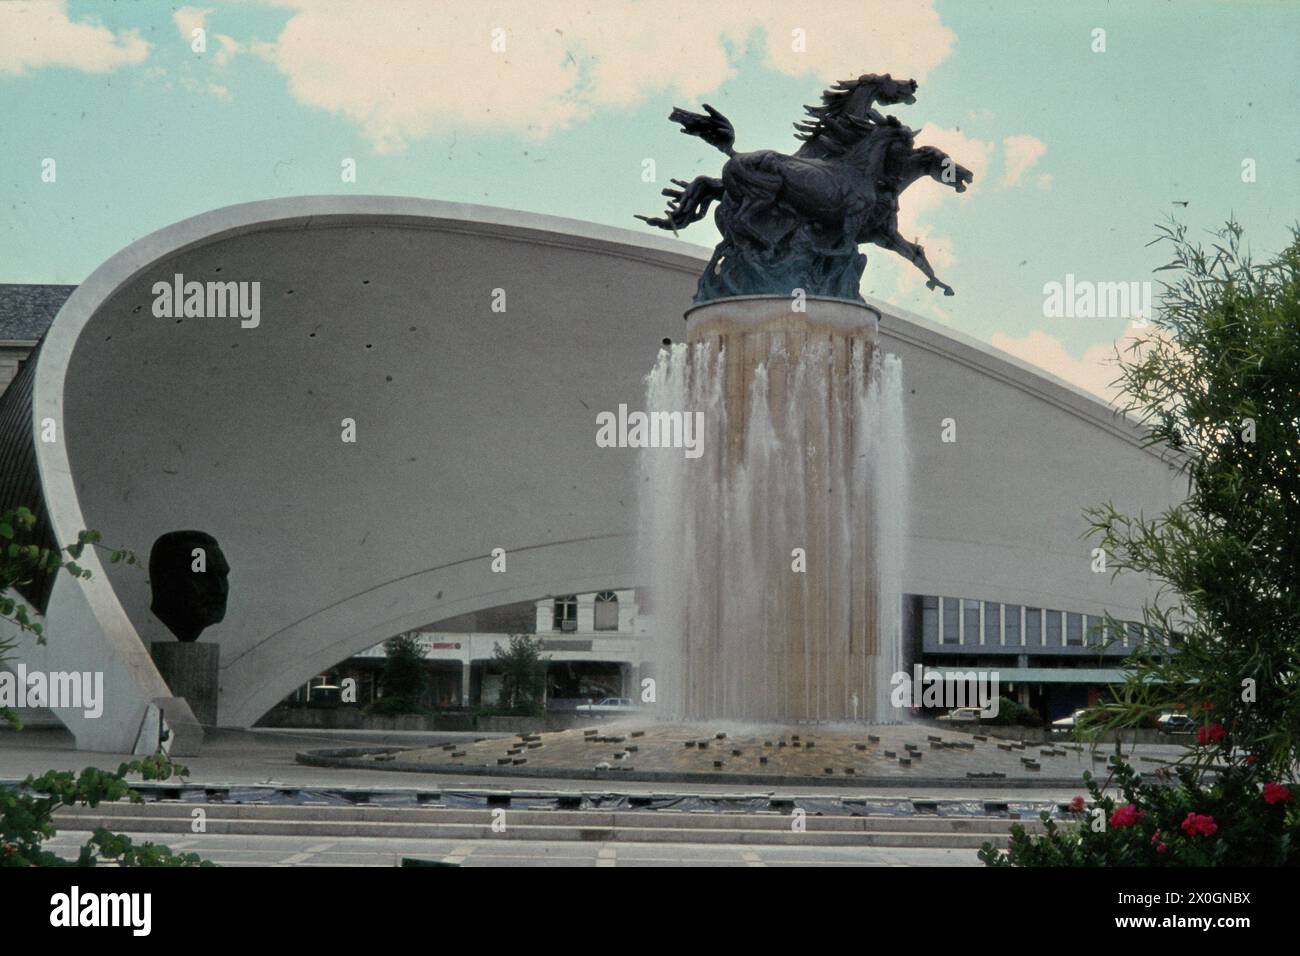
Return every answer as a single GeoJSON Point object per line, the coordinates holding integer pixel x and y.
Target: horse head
{"type": "Point", "coordinates": [883, 89]}
{"type": "Point", "coordinates": [847, 112]}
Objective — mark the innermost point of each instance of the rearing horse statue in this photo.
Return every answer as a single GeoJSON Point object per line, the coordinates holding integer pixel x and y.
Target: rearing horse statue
{"type": "Point", "coordinates": [795, 222]}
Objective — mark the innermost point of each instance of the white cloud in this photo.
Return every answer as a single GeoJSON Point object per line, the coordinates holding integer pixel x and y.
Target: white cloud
{"type": "Point", "coordinates": [37, 33]}
{"type": "Point", "coordinates": [189, 19]}
{"type": "Point", "coordinates": [1021, 152]}
{"type": "Point", "coordinates": [1094, 371]}
{"type": "Point", "coordinates": [422, 66]}
{"type": "Point", "coordinates": [229, 47]}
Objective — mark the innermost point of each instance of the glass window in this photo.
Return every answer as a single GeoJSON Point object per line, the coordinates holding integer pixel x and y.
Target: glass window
{"type": "Point", "coordinates": [1134, 634]}
{"type": "Point", "coordinates": [971, 618]}
{"type": "Point", "coordinates": [1033, 625]}
{"type": "Point", "coordinates": [1011, 624]}
{"type": "Point", "coordinates": [930, 620]}
{"type": "Point", "coordinates": [1053, 629]}
{"type": "Point", "coordinates": [606, 611]}
{"type": "Point", "coordinates": [566, 613]}
{"type": "Point", "coordinates": [1074, 630]}
{"type": "Point", "coordinates": [992, 622]}
{"type": "Point", "coordinates": [949, 621]}
{"type": "Point", "coordinates": [1094, 630]}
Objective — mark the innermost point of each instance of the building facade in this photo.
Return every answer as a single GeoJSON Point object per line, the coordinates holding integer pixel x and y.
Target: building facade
{"type": "Point", "coordinates": [473, 432]}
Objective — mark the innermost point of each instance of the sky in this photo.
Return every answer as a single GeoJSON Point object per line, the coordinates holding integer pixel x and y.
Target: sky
{"type": "Point", "coordinates": [1086, 124]}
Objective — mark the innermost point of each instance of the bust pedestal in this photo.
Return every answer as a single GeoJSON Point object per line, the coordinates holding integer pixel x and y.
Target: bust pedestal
{"type": "Point", "coordinates": [192, 671]}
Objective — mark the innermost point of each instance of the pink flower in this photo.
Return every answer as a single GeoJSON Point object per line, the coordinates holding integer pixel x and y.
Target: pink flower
{"type": "Point", "coordinates": [1211, 733]}
{"type": "Point", "coordinates": [1162, 848]}
{"type": "Point", "coordinates": [1077, 805]}
{"type": "Point", "coordinates": [1200, 824]}
{"type": "Point", "coordinates": [1276, 793]}
{"type": "Point", "coordinates": [1126, 816]}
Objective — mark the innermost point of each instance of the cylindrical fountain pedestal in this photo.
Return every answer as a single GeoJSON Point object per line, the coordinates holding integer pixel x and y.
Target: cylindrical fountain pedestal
{"type": "Point", "coordinates": [780, 619]}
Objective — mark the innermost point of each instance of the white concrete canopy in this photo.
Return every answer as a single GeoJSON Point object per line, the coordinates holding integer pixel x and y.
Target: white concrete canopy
{"type": "Point", "coordinates": [475, 430]}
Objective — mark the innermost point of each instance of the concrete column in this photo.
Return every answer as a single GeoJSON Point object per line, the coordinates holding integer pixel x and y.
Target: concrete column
{"type": "Point", "coordinates": [586, 613]}
{"type": "Point", "coordinates": [466, 682]}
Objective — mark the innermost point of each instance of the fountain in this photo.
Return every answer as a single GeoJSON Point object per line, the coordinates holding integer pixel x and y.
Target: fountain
{"type": "Point", "coordinates": [774, 559]}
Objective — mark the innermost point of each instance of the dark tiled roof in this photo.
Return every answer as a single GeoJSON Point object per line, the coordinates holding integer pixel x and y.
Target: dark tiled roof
{"type": "Point", "coordinates": [26, 311]}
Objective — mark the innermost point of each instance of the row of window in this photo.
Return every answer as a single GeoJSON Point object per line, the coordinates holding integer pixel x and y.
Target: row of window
{"type": "Point", "coordinates": [606, 611]}
{"type": "Point", "coordinates": [946, 620]}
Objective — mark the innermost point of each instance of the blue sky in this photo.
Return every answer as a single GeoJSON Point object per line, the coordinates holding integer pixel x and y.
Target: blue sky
{"type": "Point", "coordinates": [1078, 152]}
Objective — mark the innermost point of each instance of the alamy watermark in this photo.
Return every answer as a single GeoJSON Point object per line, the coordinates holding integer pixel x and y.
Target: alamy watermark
{"type": "Point", "coordinates": [946, 689]}
{"type": "Point", "coordinates": [1084, 299]}
{"type": "Point", "coordinates": [626, 429]}
{"type": "Point", "coordinates": [76, 909]}
{"type": "Point", "coordinates": [73, 690]}
{"type": "Point", "coordinates": [179, 299]}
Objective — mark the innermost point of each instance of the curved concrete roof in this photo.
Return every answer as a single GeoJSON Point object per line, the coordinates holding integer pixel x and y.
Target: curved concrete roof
{"type": "Point", "coordinates": [475, 430]}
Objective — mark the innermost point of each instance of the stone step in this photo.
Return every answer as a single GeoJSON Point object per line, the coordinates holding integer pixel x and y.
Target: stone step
{"type": "Point", "coordinates": [785, 836]}
{"type": "Point", "coordinates": [649, 820]}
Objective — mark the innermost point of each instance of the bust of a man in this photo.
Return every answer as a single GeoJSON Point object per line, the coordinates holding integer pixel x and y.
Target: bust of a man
{"type": "Point", "coordinates": [188, 576]}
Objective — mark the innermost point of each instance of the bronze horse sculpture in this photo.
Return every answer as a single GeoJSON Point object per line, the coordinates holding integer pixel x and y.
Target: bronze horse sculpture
{"type": "Point", "coordinates": [795, 222]}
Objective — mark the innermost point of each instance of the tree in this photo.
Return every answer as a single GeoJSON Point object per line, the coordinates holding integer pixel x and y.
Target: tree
{"type": "Point", "coordinates": [404, 679]}
{"type": "Point", "coordinates": [523, 684]}
{"type": "Point", "coordinates": [1217, 383]}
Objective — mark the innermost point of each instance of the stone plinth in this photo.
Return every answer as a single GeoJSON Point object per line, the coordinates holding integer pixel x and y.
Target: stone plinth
{"type": "Point", "coordinates": [191, 670]}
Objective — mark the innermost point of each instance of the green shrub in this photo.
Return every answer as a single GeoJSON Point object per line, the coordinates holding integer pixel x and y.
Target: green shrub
{"type": "Point", "coordinates": [1240, 818]}
{"type": "Point", "coordinates": [27, 817]}
{"type": "Point", "coordinates": [394, 705]}
{"type": "Point", "coordinates": [1012, 713]}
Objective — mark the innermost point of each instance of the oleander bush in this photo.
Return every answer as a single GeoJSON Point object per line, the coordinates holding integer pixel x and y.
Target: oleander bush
{"type": "Point", "coordinates": [1216, 383]}
{"type": "Point", "coordinates": [1237, 818]}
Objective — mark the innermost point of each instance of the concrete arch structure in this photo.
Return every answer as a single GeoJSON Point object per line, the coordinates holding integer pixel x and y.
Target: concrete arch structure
{"type": "Point", "coordinates": [475, 430]}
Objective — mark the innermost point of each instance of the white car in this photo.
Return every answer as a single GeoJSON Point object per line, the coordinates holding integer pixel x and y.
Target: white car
{"type": "Point", "coordinates": [1176, 724]}
{"type": "Point", "coordinates": [609, 706]}
{"type": "Point", "coordinates": [1066, 724]}
{"type": "Point", "coordinates": [962, 715]}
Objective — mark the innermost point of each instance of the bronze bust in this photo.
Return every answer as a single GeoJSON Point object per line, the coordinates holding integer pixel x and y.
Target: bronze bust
{"type": "Point", "coordinates": [189, 589]}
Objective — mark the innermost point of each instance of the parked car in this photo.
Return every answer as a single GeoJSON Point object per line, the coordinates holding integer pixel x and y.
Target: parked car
{"type": "Point", "coordinates": [963, 715]}
{"type": "Point", "coordinates": [1065, 725]}
{"type": "Point", "coordinates": [1176, 724]}
{"type": "Point", "coordinates": [609, 706]}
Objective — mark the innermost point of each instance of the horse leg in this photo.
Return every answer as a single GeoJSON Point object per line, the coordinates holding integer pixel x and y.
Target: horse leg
{"type": "Point", "coordinates": [755, 183]}
{"type": "Point", "coordinates": [688, 204]}
{"type": "Point", "coordinates": [912, 252]}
